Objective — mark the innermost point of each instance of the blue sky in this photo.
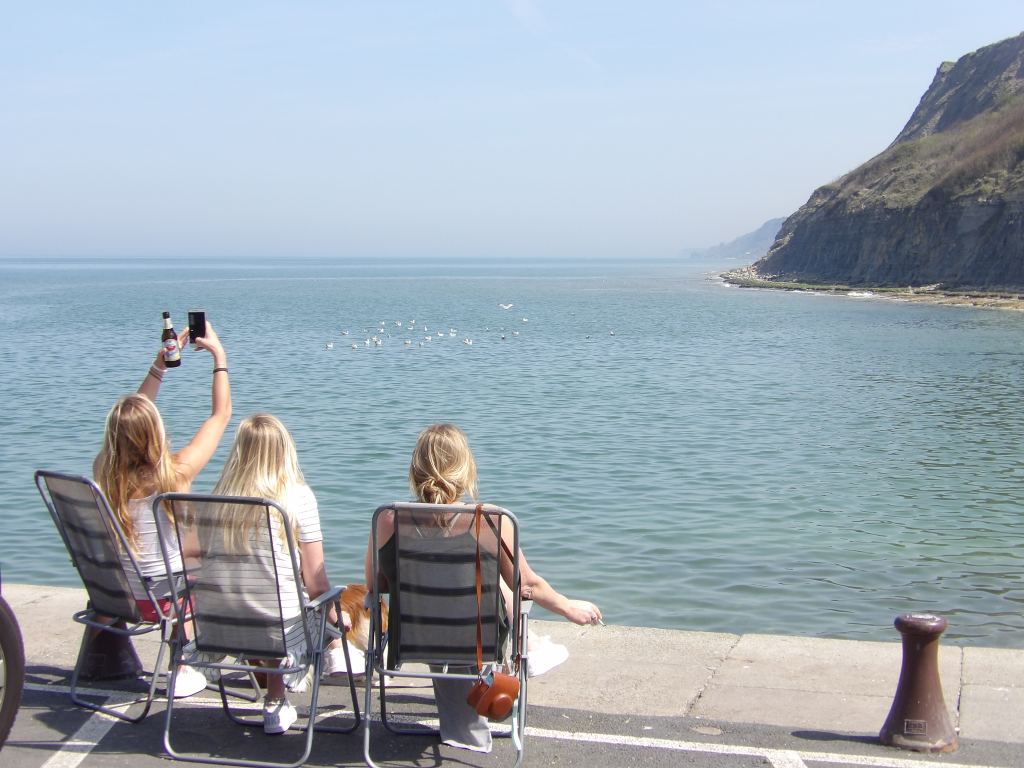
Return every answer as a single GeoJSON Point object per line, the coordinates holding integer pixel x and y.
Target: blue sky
{"type": "Point", "coordinates": [469, 128]}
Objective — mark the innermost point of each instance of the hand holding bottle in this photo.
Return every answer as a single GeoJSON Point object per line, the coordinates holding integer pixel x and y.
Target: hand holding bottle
{"type": "Point", "coordinates": [171, 344]}
{"type": "Point", "coordinates": [160, 361]}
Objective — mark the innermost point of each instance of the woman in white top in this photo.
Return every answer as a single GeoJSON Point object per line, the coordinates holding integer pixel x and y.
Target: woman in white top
{"type": "Point", "coordinates": [136, 463]}
{"type": "Point", "coordinates": [263, 463]}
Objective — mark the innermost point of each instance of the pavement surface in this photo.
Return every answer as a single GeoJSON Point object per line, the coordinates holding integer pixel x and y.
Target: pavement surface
{"type": "Point", "coordinates": [626, 696]}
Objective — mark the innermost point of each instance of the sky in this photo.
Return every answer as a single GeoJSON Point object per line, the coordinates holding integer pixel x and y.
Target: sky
{"type": "Point", "coordinates": [482, 129]}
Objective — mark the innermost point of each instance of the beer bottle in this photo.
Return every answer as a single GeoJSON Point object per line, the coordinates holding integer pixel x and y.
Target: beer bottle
{"type": "Point", "coordinates": [172, 352]}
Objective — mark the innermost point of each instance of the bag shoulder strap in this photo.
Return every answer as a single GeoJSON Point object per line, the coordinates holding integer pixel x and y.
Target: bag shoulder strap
{"type": "Point", "coordinates": [479, 592]}
{"type": "Point", "coordinates": [478, 515]}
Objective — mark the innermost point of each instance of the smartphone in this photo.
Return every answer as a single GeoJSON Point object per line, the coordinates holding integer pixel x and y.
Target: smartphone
{"type": "Point", "coordinates": [196, 324]}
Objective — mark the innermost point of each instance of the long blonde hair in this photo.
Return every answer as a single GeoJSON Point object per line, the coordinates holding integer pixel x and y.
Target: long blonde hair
{"type": "Point", "coordinates": [262, 462]}
{"type": "Point", "coordinates": [442, 469]}
{"type": "Point", "coordinates": [135, 460]}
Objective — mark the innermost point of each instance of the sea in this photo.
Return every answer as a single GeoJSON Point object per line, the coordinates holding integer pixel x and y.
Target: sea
{"type": "Point", "coordinates": [684, 453]}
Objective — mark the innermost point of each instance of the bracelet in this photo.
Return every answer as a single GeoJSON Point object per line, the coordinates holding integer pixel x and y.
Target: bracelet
{"type": "Point", "coordinates": [156, 373]}
{"type": "Point", "coordinates": [220, 369]}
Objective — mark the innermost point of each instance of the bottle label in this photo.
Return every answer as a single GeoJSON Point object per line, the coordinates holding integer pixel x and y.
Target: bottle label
{"type": "Point", "coordinates": [171, 351]}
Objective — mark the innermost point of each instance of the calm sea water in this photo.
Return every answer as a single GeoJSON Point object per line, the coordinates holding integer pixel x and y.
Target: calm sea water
{"type": "Point", "coordinates": [685, 454]}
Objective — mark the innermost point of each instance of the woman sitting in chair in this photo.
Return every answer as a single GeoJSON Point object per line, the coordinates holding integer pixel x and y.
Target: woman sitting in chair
{"type": "Point", "coordinates": [135, 464]}
{"type": "Point", "coordinates": [443, 471]}
{"type": "Point", "coordinates": [263, 463]}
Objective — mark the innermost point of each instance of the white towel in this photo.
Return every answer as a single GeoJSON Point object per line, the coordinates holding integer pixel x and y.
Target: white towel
{"type": "Point", "coordinates": [544, 655]}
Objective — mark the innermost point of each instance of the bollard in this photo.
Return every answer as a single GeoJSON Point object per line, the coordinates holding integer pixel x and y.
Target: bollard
{"type": "Point", "coordinates": [918, 719]}
{"type": "Point", "coordinates": [109, 656]}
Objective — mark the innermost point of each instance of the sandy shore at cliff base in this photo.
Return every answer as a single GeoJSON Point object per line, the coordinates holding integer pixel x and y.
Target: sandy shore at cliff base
{"type": "Point", "coordinates": [748, 277]}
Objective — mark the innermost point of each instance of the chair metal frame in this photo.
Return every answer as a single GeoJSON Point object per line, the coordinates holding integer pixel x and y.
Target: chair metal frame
{"type": "Point", "coordinates": [315, 636]}
{"type": "Point", "coordinates": [377, 652]}
{"type": "Point", "coordinates": [115, 601]}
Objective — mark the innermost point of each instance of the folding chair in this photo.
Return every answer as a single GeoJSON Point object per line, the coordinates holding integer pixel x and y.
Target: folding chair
{"type": "Point", "coordinates": [244, 588]}
{"type": "Point", "coordinates": [100, 553]}
{"type": "Point", "coordinates": [433, 607]}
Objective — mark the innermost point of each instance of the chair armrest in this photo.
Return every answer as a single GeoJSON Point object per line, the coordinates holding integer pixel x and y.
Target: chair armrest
{"type": "Point", "coordinates": [330, 595]}
{"type": "Point", "coordinates": [175, 585]}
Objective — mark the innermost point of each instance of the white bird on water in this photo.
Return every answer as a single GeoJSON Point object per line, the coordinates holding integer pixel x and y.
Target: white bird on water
{"type": "Point", "coordinates": [468, 342]}
{"type": "Point", "coordinates": [329, 345]}
{"type": "Point", "coordinates": [506, 306]}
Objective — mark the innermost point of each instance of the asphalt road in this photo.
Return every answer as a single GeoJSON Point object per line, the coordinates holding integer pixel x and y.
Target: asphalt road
{"type": "Point", "coordinates": [52, 732]}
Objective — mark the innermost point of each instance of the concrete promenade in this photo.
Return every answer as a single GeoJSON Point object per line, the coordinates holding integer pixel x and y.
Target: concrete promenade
{"type": "Point", "coordinates": [626, 696]}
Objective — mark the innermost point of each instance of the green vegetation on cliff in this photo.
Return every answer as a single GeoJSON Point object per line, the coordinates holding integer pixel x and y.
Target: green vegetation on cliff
{"type": "Point", "coordinates": [980, 158]}
{"type": "Point", "coordinates": [944, 204]}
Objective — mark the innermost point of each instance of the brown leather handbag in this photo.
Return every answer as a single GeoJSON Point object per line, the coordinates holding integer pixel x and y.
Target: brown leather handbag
{"type": "Point", "coordinates": [494, 695]}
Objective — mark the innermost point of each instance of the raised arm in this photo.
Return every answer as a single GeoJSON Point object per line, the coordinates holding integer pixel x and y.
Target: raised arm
{"type": "Point", "coordinates": [191, 459]}
{"type": "Point", "coordinates": [150, 385]}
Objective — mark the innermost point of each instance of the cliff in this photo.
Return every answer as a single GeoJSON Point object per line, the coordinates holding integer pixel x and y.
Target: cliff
{"type": "Point", "coordinates": [944, 204]}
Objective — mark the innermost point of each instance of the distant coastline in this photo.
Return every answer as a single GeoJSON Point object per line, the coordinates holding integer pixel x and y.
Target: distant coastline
{"type": "Point", "coordinates": [748, 277]}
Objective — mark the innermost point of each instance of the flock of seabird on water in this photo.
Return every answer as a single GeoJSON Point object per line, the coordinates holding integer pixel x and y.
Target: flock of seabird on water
{"type": "Point", "coordinates": [381, 333]}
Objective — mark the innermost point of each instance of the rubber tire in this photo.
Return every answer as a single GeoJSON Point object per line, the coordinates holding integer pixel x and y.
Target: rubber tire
{"type": "Point", "coordinates": [12, 651]}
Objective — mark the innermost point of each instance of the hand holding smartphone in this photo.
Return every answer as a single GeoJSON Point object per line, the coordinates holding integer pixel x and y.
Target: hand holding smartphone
{"type": "Point", "coordinates": [196, 325]}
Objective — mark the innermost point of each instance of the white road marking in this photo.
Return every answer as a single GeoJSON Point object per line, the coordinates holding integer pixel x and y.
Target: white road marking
{"type": "Point", "coordinates": [78, 747]}
{"type": "Point", "coordinates": [778, 758]}
{"type": "Point", "coordinates": [75, 749]}
{"type": "Point", "coordinates": [784, 758]}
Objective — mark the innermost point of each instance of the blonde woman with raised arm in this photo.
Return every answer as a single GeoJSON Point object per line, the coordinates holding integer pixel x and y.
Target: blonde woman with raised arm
{"type": "Point", "coordinates": [136, 463]}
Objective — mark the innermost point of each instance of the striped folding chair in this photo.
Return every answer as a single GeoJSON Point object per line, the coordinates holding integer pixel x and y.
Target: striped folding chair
{"type": "Point", "coordinates": [443, 589]}
{"type": "Point", "coordinates": [243, 583]}
{"type": "Point", "coordinates": [104, 561]}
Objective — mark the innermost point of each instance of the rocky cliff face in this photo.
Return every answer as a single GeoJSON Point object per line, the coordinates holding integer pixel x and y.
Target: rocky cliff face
{"type": "Point", "coordinates": [943, 204]}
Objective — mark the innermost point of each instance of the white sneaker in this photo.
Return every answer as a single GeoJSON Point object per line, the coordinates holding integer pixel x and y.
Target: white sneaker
{"type": "Point", "coordinates": [334, 663]}
{"type": "Point", "coordinates": [278, 716]}
{"type": "Point", "coordinates": [188, 682]}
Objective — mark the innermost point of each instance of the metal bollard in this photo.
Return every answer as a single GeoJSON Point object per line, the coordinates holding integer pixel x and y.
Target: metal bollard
{"type": "Point", "coordinates": [918, 719]}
